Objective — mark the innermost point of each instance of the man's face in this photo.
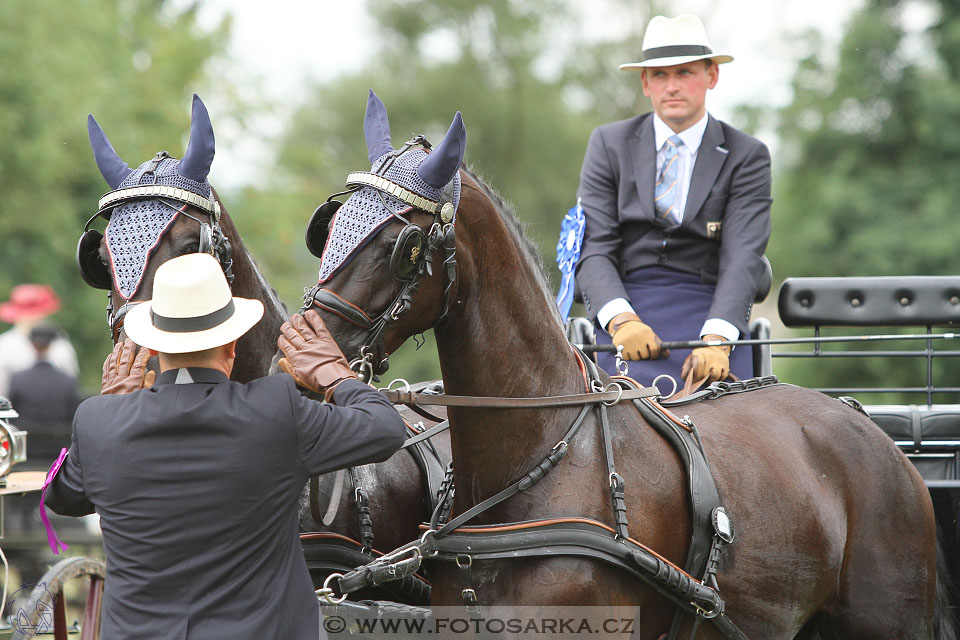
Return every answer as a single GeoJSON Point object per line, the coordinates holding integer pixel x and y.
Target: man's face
{"type": "Point", "coordinates": [679, 93]}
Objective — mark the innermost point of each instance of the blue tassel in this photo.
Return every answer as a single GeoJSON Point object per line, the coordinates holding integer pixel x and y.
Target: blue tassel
{"type": "Point", "coordinates": [568, 252]}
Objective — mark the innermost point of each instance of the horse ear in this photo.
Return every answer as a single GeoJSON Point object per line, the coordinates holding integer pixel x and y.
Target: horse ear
{"type": "Point", "coordinates": [112, 168]}
{"type": "Point", "coordinates": [199, 154]}
{"type": "Point", "coordinates": [442, 164]}
{"type": "Point", "coordinates": [376, 128]}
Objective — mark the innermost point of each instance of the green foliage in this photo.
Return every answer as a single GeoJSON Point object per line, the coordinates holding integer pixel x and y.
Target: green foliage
{"type": "Point", "coordinates": [528, 108]}
{"type": "Point", "coordinates": [865, 180]}
{"type": "Point", "coordinates": [133, 63]}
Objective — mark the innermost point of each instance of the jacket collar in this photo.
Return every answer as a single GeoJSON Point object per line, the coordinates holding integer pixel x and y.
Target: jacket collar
{"type": "Point", "coordinates": [191, 375]}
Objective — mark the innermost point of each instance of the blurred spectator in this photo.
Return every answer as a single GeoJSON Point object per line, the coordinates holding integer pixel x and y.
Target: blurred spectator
{"type": "Point", "coordinates": [28, 305]}
{"type": "Point", "coordinates": [46, 399]}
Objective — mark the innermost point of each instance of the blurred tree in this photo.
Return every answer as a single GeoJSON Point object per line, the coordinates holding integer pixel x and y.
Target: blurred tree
{"type": "Point", "coordinates": [528, 103]}
{"type": "Point", "coordinates": [865, 178]}
{"type": "Point", "coordinates": [134, 64]}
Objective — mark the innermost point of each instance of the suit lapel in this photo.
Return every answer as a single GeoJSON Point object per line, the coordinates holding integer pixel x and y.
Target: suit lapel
{"type": "Point", "coordinates": [644, 151]}
{"type": "Point", "coordinates": [710, 158]}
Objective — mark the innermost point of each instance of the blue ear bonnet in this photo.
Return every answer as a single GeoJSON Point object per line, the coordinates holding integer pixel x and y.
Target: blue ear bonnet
{"type": "Point", "coordinates": [433, 175]}
{"type": "Point", "coordinates": [138, 223]}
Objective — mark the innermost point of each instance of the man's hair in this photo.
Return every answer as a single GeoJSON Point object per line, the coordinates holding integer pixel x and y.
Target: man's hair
{"type": "Point", "coordinates": [42, 335]}
{"type": "Point", "coordinates": [192, 358]}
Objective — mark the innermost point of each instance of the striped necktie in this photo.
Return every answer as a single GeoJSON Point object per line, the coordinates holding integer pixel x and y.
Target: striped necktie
{"type": "Point", "coordinates": [667, 192]}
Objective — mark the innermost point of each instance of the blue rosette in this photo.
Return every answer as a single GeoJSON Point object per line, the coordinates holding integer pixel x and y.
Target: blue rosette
{"type": "Point", "coordinates": [568, 252]}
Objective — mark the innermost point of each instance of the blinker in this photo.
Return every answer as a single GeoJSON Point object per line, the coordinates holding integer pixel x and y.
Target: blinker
{"type": "Point", "coordinates": [92, 269]}
{"type": "Point", "coordinates": [318, 229]}
{"type": "Point", "coordinates": [407, 253]}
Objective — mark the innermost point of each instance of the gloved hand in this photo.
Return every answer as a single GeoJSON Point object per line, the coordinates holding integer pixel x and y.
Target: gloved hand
{"type": "Point", "coordinates": [638, 339]}
{"type": "Point", "coordinates": [125, 369]}
{"type": "Point", "coordinates": [311, 357]}
{"type": "Point", "coordinates": [712, 363]}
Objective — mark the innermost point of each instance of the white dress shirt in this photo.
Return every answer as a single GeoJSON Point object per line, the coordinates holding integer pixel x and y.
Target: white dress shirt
{"type": "Point", "coordinates": [687, 157]}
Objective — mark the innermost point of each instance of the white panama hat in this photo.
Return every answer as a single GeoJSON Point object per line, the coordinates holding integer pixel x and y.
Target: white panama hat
{"type": "Point", "coordinates": [192, 308]}
{"type": "Point", "coordinates": [672, 41]}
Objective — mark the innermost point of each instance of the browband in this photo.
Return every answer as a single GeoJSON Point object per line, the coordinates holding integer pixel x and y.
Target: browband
{"type": "Point", "coordinates": [115, 197]}
{"type": "Point", "coordinates": [365, 178]}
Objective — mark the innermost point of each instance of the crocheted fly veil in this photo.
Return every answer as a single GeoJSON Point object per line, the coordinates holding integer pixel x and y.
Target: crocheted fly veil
{"type": "Point", "coordinates": [138, 218]}
{"type": "Point", "coordinates": [431, 174]}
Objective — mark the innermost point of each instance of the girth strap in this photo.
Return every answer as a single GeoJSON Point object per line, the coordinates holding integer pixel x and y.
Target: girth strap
{"type": "Point", "coordinates": [702, 489]}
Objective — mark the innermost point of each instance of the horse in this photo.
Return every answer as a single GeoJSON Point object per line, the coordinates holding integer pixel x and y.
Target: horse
{"type": "Point", "coordinates": [395, 490]}
{"type": "Point", "coordinates": [834, 528]}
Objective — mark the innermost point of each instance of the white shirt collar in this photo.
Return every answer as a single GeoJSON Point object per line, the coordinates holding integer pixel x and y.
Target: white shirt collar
{"type": "Point", "coordinates": [692, 136]}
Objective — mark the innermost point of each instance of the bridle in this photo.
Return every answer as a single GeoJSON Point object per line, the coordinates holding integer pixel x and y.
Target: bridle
{"type": "Point", "coordinates": [212, 240]}
{"type": "Point", "coordinates": [411, 259]}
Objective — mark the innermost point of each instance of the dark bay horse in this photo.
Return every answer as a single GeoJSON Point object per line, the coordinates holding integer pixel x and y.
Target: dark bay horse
{"type": "Point", "coordinates": [835, 530]}
{"type": "Point", "coordinates": [395, 489]}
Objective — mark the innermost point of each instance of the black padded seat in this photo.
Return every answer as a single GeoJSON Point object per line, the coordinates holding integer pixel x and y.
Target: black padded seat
{"type": "Point", "coordinates": [893, 301]}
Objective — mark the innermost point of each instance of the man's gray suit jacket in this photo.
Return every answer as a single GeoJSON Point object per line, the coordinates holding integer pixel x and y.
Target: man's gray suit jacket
{"type": "Point", "coordinates": [726, 221]}
{"type": "Point", "coordinates": [197, 487]}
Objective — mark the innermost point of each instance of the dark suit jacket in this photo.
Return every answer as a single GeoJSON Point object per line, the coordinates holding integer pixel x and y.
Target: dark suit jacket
{"type": "Point", "coordinates": [197, 487]}
{"type": "Point", "coordinates": [46, 399]}
{"type": "Point", "coordinates": [726, 221]}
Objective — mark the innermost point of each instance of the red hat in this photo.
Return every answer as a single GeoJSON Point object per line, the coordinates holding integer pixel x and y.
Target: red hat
{"type": "Point", "coordinates": [29, 300]}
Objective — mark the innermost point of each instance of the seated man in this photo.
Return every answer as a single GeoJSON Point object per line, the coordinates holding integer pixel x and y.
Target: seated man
{"type": "Point", "coordinates": [677, 209]}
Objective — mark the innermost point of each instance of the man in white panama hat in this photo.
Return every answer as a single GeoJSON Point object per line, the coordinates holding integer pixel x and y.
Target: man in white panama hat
{"type": "Point", "coordinates": [197, 478]}
{"type": "Point", "coordinates": [677, 208]}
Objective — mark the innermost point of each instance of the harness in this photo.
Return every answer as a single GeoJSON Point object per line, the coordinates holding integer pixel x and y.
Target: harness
{"type": "Point", "coordinates": [449, 540]}
{"type": "Point", "coordinates": [410, 261]}
{"type": "Point", "coordinates": [95, 272]}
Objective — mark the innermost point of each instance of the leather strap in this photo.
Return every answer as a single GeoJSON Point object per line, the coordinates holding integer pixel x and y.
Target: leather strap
{"type": "Point", "coordinates": [608, 397]}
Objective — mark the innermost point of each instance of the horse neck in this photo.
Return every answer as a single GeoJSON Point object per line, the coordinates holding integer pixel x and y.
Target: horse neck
{"type": "Point", "coordinates": [502, 337]}
{"type": "Point", "coordinates": [257, 347]}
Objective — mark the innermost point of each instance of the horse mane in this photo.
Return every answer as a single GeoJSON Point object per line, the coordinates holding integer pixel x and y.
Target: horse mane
{"type": "Point", "coordinates": [528, 248]}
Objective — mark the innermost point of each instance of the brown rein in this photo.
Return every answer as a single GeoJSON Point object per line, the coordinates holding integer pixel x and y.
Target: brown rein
{"type": "Point", "coordinates": [494, 402]}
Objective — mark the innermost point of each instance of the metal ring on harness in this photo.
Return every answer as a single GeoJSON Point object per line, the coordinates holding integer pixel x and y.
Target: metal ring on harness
{"type": "Point", "coordinates": [326, 592]}
{"type": "Point", "coordinates": [619, 394]}
{"type": "Point", "coordinates": [713, 613]}
{"type": "Point", "coordinates": [406, 385]}
{"type": "Point", "coordinates": [363, 365]}
{"type": "Point", "coordinates": [620, 364]}
{"type": "Point", "coordinates": [668, 377]}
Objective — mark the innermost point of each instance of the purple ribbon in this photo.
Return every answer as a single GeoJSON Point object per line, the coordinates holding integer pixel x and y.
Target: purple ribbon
{"type": "Point", "coordinates": [55, 544]}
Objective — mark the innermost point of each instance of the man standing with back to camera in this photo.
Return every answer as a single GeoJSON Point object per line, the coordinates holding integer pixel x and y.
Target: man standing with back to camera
{"type": "Point", "coordinates": [197, 479]}
{"type": "Point", "coordinates": [677, 208]}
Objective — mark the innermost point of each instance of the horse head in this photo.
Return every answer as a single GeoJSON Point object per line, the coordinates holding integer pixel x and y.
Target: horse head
{"type": "Point", "coordinates": [166, 208]}
{"type": "Point", "coordinates": [391, 245]}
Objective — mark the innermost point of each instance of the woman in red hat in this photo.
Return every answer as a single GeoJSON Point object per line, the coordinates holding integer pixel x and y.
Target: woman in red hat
{"type": "Point", "coordinates": [28, 305]}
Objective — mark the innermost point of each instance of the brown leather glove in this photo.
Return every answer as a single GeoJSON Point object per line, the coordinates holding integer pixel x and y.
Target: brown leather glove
{"type": "Point", "coordinates": [712, 363]}
{"type": "Point", "coordinates": [311, 357]}
{"type": "Point", "coordinates": [638, 339]}
{"type": "Point", "coordinates": [125, 369]}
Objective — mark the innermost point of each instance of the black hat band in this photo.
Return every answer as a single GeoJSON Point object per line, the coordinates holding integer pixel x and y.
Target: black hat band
{"type": "Point", "coordinates": [198, 323]}
{"type": "Point", "coordinates": [673, 51]}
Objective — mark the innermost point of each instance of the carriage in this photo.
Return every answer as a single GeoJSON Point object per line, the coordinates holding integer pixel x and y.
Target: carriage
{"type": "Point", "coordinates": [569, 486]}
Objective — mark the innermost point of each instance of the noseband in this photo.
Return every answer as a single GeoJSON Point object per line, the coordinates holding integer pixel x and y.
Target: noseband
{"type": "Point", "coordinates": [411, 259]}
